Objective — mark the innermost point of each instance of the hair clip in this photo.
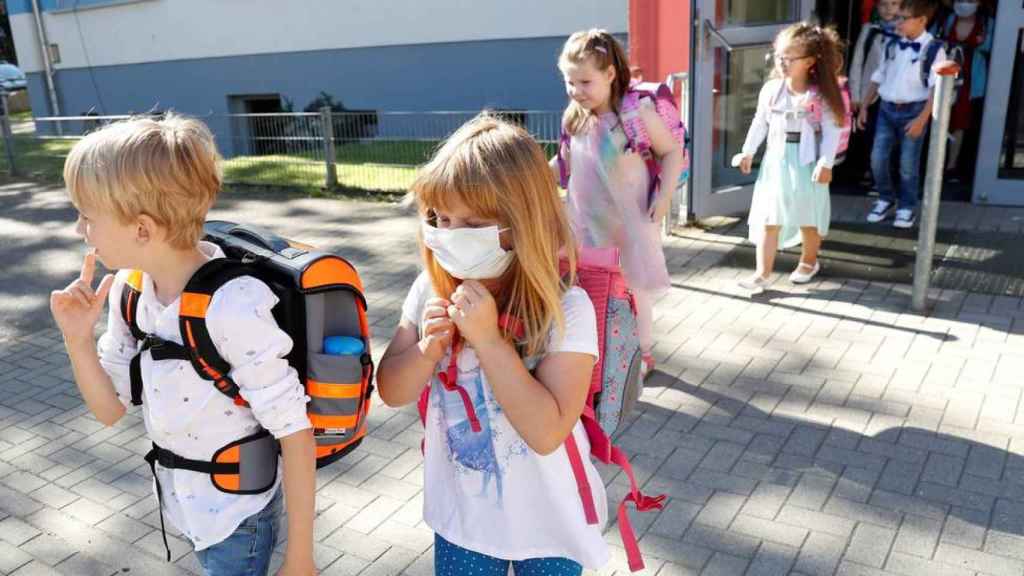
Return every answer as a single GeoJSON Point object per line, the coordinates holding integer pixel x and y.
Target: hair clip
{"type": "Point", "coordinates": [601, 49]}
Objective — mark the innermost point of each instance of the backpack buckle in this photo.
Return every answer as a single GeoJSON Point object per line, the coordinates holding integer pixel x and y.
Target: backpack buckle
{"type": "Point", "coordinates": [160, 349]}
{"type": "Point", "coordinates": [166, 458]}
{"type": "Point", "coordinates": [151, 341]}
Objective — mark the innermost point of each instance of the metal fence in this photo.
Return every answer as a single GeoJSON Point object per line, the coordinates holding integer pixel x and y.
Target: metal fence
{"type": "Point", "coordinates": [368, 151]}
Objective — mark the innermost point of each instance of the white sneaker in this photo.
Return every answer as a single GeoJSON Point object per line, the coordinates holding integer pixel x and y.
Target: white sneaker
{"type": "Point", "coordinates": [804, 273]}
{"type": "Point", "coordinates": [904, 218]}
{"type": "Point", "coordinates": [754, 284]}
{"type": "Point", "coordinates": [880, 211]}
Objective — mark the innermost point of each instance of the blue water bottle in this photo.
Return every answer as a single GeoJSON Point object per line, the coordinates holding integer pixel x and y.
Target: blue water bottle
{"type": "Point", "coordinates": [343, 346]}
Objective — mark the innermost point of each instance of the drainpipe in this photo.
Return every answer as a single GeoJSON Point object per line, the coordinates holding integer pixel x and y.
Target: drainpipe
{"type": "Point", "coordinates": [44, 45]}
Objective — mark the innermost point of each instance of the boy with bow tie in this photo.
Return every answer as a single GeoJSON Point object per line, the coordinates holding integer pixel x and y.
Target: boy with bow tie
{"type": "Point", "coordinates": [904, 114]}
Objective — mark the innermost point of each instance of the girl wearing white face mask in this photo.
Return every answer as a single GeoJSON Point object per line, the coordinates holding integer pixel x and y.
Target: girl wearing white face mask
{"type": "Point", "coordinates": [968, 33]}
{"type": "Point", "coordinates": [498, 483]}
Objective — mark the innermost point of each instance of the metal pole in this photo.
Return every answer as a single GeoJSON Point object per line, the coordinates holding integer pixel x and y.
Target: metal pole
{"type": "Point", "coordinates": [327, 124]}
{"type": "Point", "coordinates": [44, 45]}
{"type": "Point", "coordinates": [680, 193]}
{"type": "Point", "coordinates": [943, 104]}
{"type": "Point", "coordinates": [8, 136]}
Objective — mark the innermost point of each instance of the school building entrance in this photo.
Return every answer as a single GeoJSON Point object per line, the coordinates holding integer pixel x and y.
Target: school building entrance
{"type": "Point", "coordinates": [723, 44]}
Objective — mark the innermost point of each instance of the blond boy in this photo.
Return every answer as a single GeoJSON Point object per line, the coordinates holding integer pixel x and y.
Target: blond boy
{"type": "Point", "coordinates": [142, 188]}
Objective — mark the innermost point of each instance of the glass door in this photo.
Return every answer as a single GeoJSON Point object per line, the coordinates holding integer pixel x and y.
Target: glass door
{"type": "Point", "coordinates": [1002, 128]}
{"type": "Point", "coordinates": [732, 39]}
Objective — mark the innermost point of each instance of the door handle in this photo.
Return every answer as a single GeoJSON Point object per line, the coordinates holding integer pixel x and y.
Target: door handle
{"type": "Point", "coordinates": [711, 31]}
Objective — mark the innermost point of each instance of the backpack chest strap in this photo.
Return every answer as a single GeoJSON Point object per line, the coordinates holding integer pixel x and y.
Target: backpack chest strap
{"type": "Point", "coordinates": [159, 349]}
{"type": "Point", "coordinates": [198, 347]}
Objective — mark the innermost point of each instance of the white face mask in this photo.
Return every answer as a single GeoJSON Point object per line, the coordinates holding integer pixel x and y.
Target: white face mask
{"type": "Point", "coordinates": [965, 9]}
{"type": "Point", "coordinates": [468, 253]}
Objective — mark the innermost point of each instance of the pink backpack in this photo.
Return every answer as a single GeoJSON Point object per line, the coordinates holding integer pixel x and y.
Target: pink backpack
{"type": "Point", "coordinates": [637, 139]}
{"type": "Point", "coordinates": [818, 108]}
{"type": "Point", "coordinates": [614, 388]}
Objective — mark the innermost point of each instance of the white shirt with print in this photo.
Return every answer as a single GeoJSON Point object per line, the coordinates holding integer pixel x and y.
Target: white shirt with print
{"type": "Point", "coordinates": [187, 415]}
{"type": "Point", "coordinates": [488, 491]}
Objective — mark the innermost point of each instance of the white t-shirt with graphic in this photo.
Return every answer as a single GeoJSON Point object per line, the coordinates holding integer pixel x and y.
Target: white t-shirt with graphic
{"type": "Point", "coordinates": [488, 491]}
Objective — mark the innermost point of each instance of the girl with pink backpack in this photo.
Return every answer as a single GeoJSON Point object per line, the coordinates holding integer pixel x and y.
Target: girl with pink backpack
{"type": "Point", "coordinates": [621, 158]}
{"type": "Point", "coordinates": [803, 112]}
{"type": "Point", "coordinates": [499, 350]}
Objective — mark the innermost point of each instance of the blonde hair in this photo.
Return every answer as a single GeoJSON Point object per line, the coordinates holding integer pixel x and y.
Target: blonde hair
{"type": "Point", "coordinates": [603, 50]}
{"type": "Point", "coordinates": [499, 172]}
{"type": "Point", "coordinates": [167, 169]}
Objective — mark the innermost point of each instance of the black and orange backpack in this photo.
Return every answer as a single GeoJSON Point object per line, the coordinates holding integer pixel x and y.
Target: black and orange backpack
{"type": "Point", "coordinates": [320, 294]}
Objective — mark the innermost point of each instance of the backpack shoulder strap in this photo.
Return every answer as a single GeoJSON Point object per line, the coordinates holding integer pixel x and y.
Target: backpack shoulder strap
{"type": "Point", "coordinates": [195, 300]}
{"type": "Point", "coordinates": [563, 163]}
{"type": "Point", "coordinates": [869, 41]}
{"type": "Point", "coordinates": [931, 52]}
{"type": "Point", "coordinates": [637, 139]}
{"type": "Point", "coordinates": [130, 303]}
{"type": "Point", "coordinates": [890, 47]}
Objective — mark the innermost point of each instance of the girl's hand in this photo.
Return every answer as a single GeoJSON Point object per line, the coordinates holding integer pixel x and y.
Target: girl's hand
{"type": "Point", "coordinates": [77, 307]}
{"type": "Point", "coordinates": [747, 164]}
{"type": "Point", "coordinates": [822, 175]}
{"type": "Point", "coordinates": [437, 329]}
{"type": "Point", "coordinates": [475, 313]}
{"type": "Point", "coordinates": [862, 118]}
{"type": "Point", "coordinates": [660, 211]}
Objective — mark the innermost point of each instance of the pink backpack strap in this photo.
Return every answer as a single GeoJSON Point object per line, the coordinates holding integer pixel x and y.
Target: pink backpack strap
{"type": "Point", "coordinates": [637, 139]}
{"type": "Point", "coordinates": [450, 380]}
{"type": "Point", "coordinates": [563, 166]}
{"type": "Point", "coordinates": [421, 407]}
{"type": "Point", "coordinates": [601, 447]}
{"type": "Point", "coordinates": [572, 450]}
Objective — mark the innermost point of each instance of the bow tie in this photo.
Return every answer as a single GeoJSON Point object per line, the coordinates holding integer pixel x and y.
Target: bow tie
{"type": "Point", "coordinates": [915, 46]}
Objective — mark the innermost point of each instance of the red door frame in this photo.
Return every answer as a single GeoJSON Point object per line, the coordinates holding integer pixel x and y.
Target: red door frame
{"type": "Point", "coordinates": [659, 37]}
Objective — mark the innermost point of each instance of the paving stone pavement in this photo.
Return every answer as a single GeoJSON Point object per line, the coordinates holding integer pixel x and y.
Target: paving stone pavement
{"type": "Point", "coordinates": [811, 431]}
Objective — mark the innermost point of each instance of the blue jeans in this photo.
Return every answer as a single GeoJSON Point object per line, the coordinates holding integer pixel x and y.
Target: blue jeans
{"type": "Point", "coordinates": [890, 130]}
{"type": "Point", "coordinates": [452, 560]}
{"type": "Point", "coordinates": [246, 552]}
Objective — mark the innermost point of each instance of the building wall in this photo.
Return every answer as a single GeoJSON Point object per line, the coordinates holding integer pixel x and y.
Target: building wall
{"type": "Point", "coordinates": [127, 32]}
{"type": "Point", "coordinates": [122, 56]}
{"type": "Point", "coordinates": [518, 74]}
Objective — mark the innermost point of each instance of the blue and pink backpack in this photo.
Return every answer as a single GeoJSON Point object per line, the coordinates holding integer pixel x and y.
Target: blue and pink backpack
{"type": "Point", "coordinates": [614, 387]}
{"type": "Point", "coordinates": [637, 139]}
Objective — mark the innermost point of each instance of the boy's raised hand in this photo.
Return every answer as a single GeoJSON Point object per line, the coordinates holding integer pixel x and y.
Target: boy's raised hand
{"type": "Point", "coordinates": [77, 307]}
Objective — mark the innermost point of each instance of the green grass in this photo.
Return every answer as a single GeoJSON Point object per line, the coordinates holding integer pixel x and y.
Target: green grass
{"type": "Point", "coordinates": [282, 170]}
{"type": "Point", "coordinates": [386, 166]}
{"type": "Point", "coordinates": [37, 159]}
{"type": "Point", "coordinates": [379, 165]}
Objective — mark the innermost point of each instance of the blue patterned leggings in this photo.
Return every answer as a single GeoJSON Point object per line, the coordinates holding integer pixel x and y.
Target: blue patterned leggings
{"type": "Point", "coordinates": [451, 560]}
